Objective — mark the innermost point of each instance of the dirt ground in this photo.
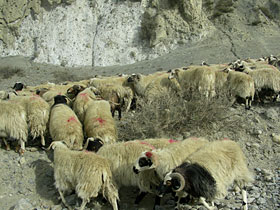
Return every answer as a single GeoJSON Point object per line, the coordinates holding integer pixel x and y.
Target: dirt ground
{"type": "Point", "coordinates": [28, 183]}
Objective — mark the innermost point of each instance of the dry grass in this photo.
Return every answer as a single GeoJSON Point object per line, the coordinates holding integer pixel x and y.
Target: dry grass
{"type": "Point", "coordinates": [62, 76]}
{"type": "Point", "coordinates": [172, 116]}
{"type": "Point", "coordinates": [7, 72]}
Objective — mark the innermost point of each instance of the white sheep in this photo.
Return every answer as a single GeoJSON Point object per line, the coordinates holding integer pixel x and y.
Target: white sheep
{"type": "Point", "coordinates": [163, 160]}
{"type": "Point", "coordinates": [85, 172]}
{"type": "Point", "coordinates": [149, 86]}
{"type": "Point", "coordinates": [160, 161]}
{"type": "Point", "coordinates": [99, 123]}
{"type": "Point", "coordinates": [265, 78]}
{"type": "Point", "coordinates": [13, 123]}
{"type": "Point", "coordinates": [123, 156]}
{"type": "Point", "coordinates": [82, 101]}
{"type": "Point", "coordinates": [64, 124]}
{"type": "Point", "coordinates": [240, 85]}
{"type": "Point", "coordinates": [114, 86]}
{"type": "Point", "coordinates": [209, 172]}
{"type": "Point", "coordinates": [195, 78]}
{"type": "Point", "coordinates": [37, 110]}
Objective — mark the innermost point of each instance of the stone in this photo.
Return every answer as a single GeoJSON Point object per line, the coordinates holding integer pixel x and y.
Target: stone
{"type": "Point", "coordinates": [23, 204]}
{"type": "Point", "coordinates": [276, 139]}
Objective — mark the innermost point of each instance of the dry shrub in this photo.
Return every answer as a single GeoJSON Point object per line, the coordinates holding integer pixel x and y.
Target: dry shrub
{"type": "Point", "coordinates": [7, 72]}
{"type": "Point", "coordinates": [172, 116]}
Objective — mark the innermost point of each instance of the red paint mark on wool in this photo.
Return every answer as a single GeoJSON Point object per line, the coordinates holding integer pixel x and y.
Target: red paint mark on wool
{"type": "Point", "coordinates": [172, 141]}
{"type": "Point", "coordinates": [149, 154]}
{"type": "Point", "coordinates": [84, 96]}
{"type": "Point", "coordinates": [226, 139]}
{"type": "Point", "coordinates": [34, 97]}
{"type": "Point", "coordinates": [72, 119]}
{"type": "Point", "coordinates": [146, 143]}
{"type": "Point", "coordinates": [100, 120]}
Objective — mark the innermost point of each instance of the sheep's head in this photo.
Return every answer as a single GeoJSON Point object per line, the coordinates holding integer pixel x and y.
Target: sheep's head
{"type": "Point", "coordinates": [74, 90]}
{"type": "Point", "coordinates": [93, 144]}
{"type": "Point", "coordinates": [173, 74]}
{"type": "Point", "coordinates": [146, 161]}
{"type": "Point", "coordinates": [173, 181]}
{"type": "Point", "coordinates": [134, 78]}
{"type": "Point", "coordinates": [60, 99]}
{"type": "Point", "coordinates": [18, 86]}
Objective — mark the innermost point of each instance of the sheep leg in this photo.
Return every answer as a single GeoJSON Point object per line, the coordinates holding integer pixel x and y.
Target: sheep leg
{"type": "Point", "coordinates": [202, 200]}
{"type": "Point", "coordinates": [84, 203]}
{"type": "Point", "coordinates": [114, 204]}
{"type": "Point", "coordinates": [140, 197]}
{"type": "Point", "coordinates": [157, 201]}
{"type": "Point", "coordinates": [22, 147]}
{"type": "Point", "coordinates": [248, 103]}
{"type": "Point", "coordinates": [244, 198]}
{"type": "Point", "coordinates": [120, 113]}
{"type": "Point", "coordinates": [43, 140]}
{"type": "Point", "coordinates": [63, 199]}
{"type": "Point", "coordinates": [128, 106]}
{"type": "Point", "coordinates": [8, 148]}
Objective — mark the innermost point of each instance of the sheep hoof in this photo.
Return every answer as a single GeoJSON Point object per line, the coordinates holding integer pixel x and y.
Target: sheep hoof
{"type": "Point", "coordinates": [21, 151]}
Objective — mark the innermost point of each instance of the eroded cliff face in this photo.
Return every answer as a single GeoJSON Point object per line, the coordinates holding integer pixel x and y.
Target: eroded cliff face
{"type": "Point", "coordinates": [111, 32]}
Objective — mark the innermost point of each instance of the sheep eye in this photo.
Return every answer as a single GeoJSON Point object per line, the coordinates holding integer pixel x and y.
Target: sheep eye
{"type": "Point", "coordinates": [168, 183]}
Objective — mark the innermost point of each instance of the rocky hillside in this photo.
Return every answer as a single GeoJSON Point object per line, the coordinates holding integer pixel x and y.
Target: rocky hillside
{"type": "Point", "coordinates": [117, 32]}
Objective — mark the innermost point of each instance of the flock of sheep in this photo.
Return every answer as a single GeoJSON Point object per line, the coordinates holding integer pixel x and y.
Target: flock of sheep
{"type": "Point", "coordinates": [90, 159]}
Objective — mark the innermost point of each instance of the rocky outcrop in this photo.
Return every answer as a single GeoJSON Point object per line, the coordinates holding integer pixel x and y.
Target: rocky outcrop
{"type": "Point", "coordinates": [111, 32]}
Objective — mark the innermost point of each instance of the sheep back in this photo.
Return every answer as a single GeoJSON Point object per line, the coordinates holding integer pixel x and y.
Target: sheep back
{"type": "Point", "coordinates": [99, 123]}
{"type": "Point", "coordinates": [13, 121]}
{"type": "Point", "coordinates": [65, 126]}
{"type": "Point", "coordinates": [225, 161]}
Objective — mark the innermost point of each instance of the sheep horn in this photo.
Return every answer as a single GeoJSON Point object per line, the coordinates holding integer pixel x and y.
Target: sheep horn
{"type": "Point", "coordinates": [181, 180]}
{"type": "Point", "coordinates": [50, 146]}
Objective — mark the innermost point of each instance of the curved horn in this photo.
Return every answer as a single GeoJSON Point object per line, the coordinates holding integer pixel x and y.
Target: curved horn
{"type": "Point", "coordinates": [181, 180]}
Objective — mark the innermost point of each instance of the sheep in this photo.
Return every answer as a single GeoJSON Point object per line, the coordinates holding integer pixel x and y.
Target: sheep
{"type": "Point", "coordinates": [13, 124]}
{"type": "Point", "coordinates": [64, 124]}
{"type": "Point", "coordinates": [114, 87]}
{"type": "Point", "coordinates": [207, 173]}
{"type": "Point", "coordinates": [265, 77]}
{"type": "Point", "coordinates": [94, 144]}
{"type": "Point", "coordinates": [37, 111]}
{"type": "Point", "coordinates": [99, 123]}
{"type": "Point", "coordinates": [241, 85]}
{"type": "Point", "coordinates": [138, 82]}
{"type": "Point", "coordinates": [85, 172]}
{"type": "Point", "coordinates": [82, 101]}
{"type": "Point", "coordinates": [163, 160]}
{"type": "Point", "coordinates": [122, 156]}
{"type": "Point", "coordinates": [200, 78]}
{"type": "Point", "coordinates": [111, 93]}
{"type": "Point", "coordinates": [160, 161]}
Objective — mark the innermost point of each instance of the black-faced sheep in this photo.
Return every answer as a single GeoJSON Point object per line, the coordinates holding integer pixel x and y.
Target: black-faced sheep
{"type": "Point", "coordinates": [123, 155]}
{"type": "Point", "coordinates": [207, 173]}
{"type": "Point", "coordinates": [85, 172]}
{"type": "Point", "coordinates": [160, 161]}
{"type": "Point", "coordinates": [64, 124]}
